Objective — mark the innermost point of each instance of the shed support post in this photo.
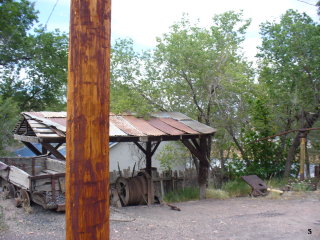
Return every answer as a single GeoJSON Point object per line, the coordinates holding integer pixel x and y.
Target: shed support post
{"type": "Point", "coordinates": [148, 151]}
{"type": "Point", "coordinates": [53, 151]}
{"type": "Point", "coordinates": [201, 150]}
{"type": "Point", "coordinates": [203, 167]}
{"type": "Point", "coordinates": [148, 158]}
{"type": "Point", "coordinates": [32, 148]}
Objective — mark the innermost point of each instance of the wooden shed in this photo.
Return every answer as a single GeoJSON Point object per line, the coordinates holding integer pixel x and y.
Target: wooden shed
{"type": "Point", "coordinates": [49, 129]}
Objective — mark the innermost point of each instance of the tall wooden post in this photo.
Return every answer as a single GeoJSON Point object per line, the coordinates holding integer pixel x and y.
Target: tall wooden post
{"type": "Point", "coordinates": [302, 154]}
{"type": "Point", "coordinates": [148, 158]}
{"type": "Point", "coordinates": [87, 171]}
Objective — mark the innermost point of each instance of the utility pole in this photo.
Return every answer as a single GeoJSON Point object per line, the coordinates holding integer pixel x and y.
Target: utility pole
{"type": "Point", "coordinates": [87, 171]}
{"type": "Point", "coordinates": [303, 139]}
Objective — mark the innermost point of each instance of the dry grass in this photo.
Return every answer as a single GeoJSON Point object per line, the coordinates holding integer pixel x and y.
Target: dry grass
{"type": "Point", "coordinates": [3, 225]}
{"type": "Point", "coordinates": [216, 194]}
{"type": "Point", "coordinates": [273, 195]}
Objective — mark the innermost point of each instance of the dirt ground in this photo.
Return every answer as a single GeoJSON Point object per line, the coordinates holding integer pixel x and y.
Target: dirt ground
{"type": "Point", "coordinates": [292, 216]}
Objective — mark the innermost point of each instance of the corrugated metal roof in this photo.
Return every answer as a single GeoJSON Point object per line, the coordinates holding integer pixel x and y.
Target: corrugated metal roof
{"type": "Point", "coordinates": [115, 131]}
{"type": "Point", "coordinates": [125, 126]}
{"type": "Point", "coordinates": [178, 125]}
{"type": "Point", "coordinates": [162, 126]}
{"type": "Point", "coordinates": [197, 126]}
{"type": "Point", "coordinates": [174, 115]}
{"type": "Point", "coordinates": [144, 126]}
{"type": "Point", "coordinates": [46, 124]}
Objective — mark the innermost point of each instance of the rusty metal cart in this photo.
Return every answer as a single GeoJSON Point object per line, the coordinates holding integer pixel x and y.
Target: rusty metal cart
{"type": "Point", "coordinates": [37, 179]}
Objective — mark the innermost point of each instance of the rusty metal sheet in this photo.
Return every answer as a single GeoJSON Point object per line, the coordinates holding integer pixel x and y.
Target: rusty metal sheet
{"type": "Point", "coordinates": [48, 123]}
{"type": "Point", "coordinates": [115, 131]}
{"type": "Point", "coordinates": [144, 126]}
{"type": "Point", "coordinates": [178, 125]}
{"type": "Point", "coordinates": [162, 126]}
{"type": "Point", "coordinates": [33, 114]}
{"type": "Point", "coordinates": [54, 114]}
{"type": "Point", "coordinates": [125, 126]}
{"type": "Point", "coordinates": [61, 121]}
{"type": "Point", "coordinates": [199, 127]}
{"type": "Point", "coordinates": [174, 115]}
{"type": "Point", "coordinates": [47, 114]}
{"type": "Point", "coordinates": [259, 188]}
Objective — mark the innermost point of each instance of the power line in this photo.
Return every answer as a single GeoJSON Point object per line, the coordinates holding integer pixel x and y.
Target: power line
{"type": "Point", "coordinates": [307, 3]}
{"type": "Point", "coordinates": [45, 26]}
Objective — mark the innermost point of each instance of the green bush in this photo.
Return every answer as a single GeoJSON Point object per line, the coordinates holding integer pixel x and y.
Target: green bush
{"type": "Point", "coordinates": [237, 188]}
{"type": "Point", "coordinates": [300, 186]}
{"type": "Point", "coordinates": [277, 183]}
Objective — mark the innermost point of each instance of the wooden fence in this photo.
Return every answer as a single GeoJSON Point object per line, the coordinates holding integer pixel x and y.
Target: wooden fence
{"type": "Point", "coordinates": [168, 181]}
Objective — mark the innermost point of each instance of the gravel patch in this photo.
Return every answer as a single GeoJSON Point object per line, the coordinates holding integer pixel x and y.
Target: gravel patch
{"type": "Point", "coordinates": [292, 216]}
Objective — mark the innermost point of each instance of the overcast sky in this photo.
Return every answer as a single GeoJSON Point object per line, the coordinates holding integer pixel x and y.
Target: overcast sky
{"type": "Point", "coordinates": [144, 20]}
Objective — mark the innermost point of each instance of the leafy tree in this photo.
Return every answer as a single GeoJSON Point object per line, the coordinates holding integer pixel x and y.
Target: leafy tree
{"type": "Point", "coordinates": [203, 73]}
{"type": "Point", "coordinates": [195, 70]}
{"type": "Point", "coordinates": [33, 62]}
{"type": "Point", "coordinates": [264, 158]}
{"type": "Point", "coordinates": [40, 82]}
{"type": "Point", "coordinates": [173, 155]}
{"type": "Point", "coordinates": [127, 94]}
{"type": "Point", "coordinates": [17, 18]}
{"type": "Point", "coordinates": [289, 70]}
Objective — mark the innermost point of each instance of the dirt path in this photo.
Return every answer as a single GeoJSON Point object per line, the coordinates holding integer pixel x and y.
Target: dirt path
{"type": "Point", "coordinates": [289, 217]}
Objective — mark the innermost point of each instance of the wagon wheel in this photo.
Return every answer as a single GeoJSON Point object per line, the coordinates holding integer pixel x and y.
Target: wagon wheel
{"type": "Point", "coordinates": [22, 199]}
{"type": "Point", "coordinates": [8, 191]}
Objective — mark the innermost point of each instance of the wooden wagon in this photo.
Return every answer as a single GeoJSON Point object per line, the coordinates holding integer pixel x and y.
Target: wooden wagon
{"type": "Point", "coordinates": [37, 179]}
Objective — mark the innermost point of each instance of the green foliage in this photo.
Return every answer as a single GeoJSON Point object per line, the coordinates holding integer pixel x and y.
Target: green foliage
{"type": "Point", "coordinates": [182, 195]}
{"type": "Point", "coordinates": [301, 186]}
{"type": "Point", "coordinates": [33, 61]}
{"type": "Point", "coordinates": [9, 114]}
{"type": "Point", "coordinates": [289, 73]}
{"type": "Point", "coordinates": [17, 18]}
{"type": "Point", "coordinates": [237, 188]}
{"type": "Point", "coordinates": [40, 82]}
{"type": "Point", "coordinates": [127, 94]}
{"type": "Point", "coordinates": [172, 155]}
{"type": "Point", "coordinates": [277, 183]}
{"type": "Point", "coordinates": [290, 60]}
{"type": "Point", "coordinates": [264, 158]}
{"type": "Point", "coordinates": [199, 64]}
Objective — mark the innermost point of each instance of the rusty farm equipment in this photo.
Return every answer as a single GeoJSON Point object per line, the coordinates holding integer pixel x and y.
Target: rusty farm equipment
{"type": "Point", "coordinates": [136, 190]}
{"type": "Point", "coordinates": [259, 188]}
{"type": "Point", "coordinates": [37, 179]}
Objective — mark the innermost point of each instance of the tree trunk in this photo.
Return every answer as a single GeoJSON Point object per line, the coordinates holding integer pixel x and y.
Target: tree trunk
{"type": "Point", "coordinates": [203, 178]}
{"type": "Point", "coordinates": [291, 155]}
{"type": "Point", "coordinates": [308, 123]}
{"type": "Point", "coordinates": [235, 140]}
{"type": "Point", "coordinates": [222, 160]}
{"type": "Point", "coordinates": [196, 163]}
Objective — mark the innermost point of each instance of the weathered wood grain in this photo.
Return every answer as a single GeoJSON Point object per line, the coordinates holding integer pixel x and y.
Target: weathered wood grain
{"type": "Point", "coordinates": [87, 193]}
{"type": "Point", "coordinates": [19, 177]}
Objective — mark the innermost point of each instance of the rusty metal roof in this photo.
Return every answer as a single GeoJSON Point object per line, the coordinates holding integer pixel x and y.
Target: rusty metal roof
{"type": "Point", "coordinates": [46, 124]}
